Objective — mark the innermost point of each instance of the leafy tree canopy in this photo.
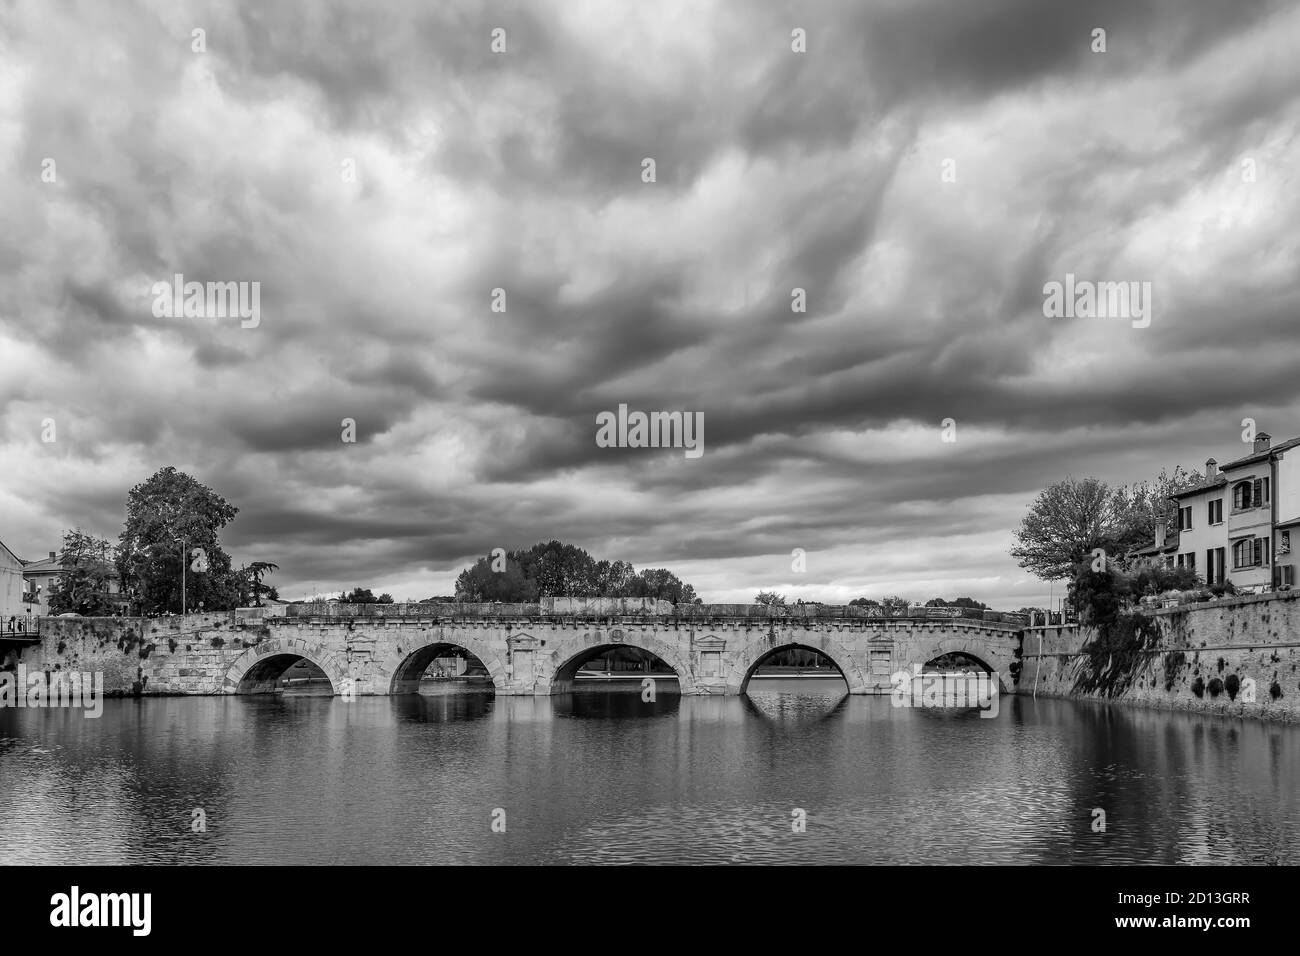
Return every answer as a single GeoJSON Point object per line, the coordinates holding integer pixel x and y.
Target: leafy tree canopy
{"type": "Point", "coordinates": [1075, 516]}
{"type": "Point", "coordinates": [85, 585]}
{"type": "Point", "coordinates": [171, 518]}
{"type": "Point", "coordinates": [556, 569]}
{"type": "Point", "coordinates": [364, 596]}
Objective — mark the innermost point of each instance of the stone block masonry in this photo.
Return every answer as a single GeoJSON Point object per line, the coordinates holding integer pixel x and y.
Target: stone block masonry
{"type": "Point", "coordinates": [526, 649]}
{"type": "Point", "coordinates": [1254, 640]}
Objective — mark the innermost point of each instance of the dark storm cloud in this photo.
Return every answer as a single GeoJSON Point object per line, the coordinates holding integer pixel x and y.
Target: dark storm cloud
{"type": "Point", "coordinates": [775, 170]}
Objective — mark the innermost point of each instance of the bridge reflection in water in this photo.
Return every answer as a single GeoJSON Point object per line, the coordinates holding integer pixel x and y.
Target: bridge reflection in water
{"type": "Point", "coordinates": [604, 776]}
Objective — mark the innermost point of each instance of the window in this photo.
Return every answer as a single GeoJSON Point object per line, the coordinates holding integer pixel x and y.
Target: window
{"type": "Point", "coordinates": [1214, 571]}
{"type": "Point", "coordinates": [1216, 511]}
{"type": "Point", "coordinates": [1250, 553]}
{"type": "Point", "coordinates": [1242, 496]}
{"type": "Point", "coordinates": [1284, 575]}
{"type": "Point", "coordinates": [1187, 561]}
{"type": "Point", "coordinates": [1185, 518]}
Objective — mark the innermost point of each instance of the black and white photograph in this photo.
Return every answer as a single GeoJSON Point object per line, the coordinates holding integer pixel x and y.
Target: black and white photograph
{"type": "Point", "coordinates": [693, 433]}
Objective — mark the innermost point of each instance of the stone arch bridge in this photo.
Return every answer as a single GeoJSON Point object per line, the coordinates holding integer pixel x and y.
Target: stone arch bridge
{"type": "Point", "coordinates": [538, 648]}
{"type": "Point", "coordinates": [525, 648]}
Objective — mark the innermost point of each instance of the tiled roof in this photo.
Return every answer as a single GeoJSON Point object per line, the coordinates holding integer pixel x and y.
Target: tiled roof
{"type": "Point", "coordinates": [1170, 546]}
{"type": "Point", "coordinates": [1261, 455]}
{"type": "Point", "coordinates": [55, 566]}
{"type": "Point", "coordinates": [44, 565]}
{"type": "Point", "coordinates": [1218, 481]}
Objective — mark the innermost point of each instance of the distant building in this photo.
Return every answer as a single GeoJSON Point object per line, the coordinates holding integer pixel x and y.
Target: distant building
{"type": "Point", "coordinates": [11, 585]}
{"type": "Point", "coordinates": [41, 576]}
{"type": "Point", "coordinates": [1165, 547]}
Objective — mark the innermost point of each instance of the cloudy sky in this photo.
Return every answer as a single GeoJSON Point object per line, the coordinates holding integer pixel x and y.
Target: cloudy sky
{"type": "Point", "coordinates": [1169, 158]}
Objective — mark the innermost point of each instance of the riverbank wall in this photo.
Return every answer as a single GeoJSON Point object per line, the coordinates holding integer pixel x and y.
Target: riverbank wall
{"type": "Point", "coordinates": [1236, 657]}
{"type": "Point", "coordinates": [169, 655]}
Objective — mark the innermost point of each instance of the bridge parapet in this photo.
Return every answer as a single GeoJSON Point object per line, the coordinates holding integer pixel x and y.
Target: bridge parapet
{"type": "Point", "coordinates": [637, 609]}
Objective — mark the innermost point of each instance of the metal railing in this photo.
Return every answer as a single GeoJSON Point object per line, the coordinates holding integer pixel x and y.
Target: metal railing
{"type": "Point", "coordinates": [21, 628]}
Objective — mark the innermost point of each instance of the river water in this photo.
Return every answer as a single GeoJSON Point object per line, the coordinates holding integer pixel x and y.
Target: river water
{"type": "Point", "coordinates": [600, 776]}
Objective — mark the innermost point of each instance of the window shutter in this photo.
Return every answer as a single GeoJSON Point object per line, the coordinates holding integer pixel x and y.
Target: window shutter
{"type": "Point", "coordinates": [1259, 493]}
{"type": "Point", "coordinates": [1256, 561]}
{"type": "Point", "coordinates": [1265, 546]}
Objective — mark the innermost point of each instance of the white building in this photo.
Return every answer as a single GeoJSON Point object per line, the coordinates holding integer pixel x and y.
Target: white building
{"type": "Point", "coordinates": [11, 586]}
{"type": "Point", "coordinates": [1236, 524]}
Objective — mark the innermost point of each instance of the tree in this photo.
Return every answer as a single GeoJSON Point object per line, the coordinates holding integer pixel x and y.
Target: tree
{"type": "Point", "coordinates": [85, 584]}
{"type": "Point", "coordinates": [364, 596]}
{"type": "Point", "coordinates": [254, 573]}
{"type": "Point", "coordinates": [1142, 505]}
{"type": "Point", "coordinates": [1066, 522]}
{"type": "Point", "coordinates": [770, 598]}
{"type": "Point", "coordinates": [965, 602]}
{"type": "Point", "coordinates": [613, 577]}
{"type": "Point", "coordinates": [864, 602]}
{"type": "Point", "coordinates": [1071, 518]}
{"type": "Point", "coordinates": [480, 583]}
{"type": "Point", "coordinates": [172, 518]}
{"type": "Point", "coordinates": [894, 603]}
{"type": "Point", "coordinates": [660, 584]}
{"type": "Point", "coordinates": [555, 569]}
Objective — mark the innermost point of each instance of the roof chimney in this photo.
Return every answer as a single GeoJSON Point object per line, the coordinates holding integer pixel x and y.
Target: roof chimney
{"type": "Point", "coordinates": [1211, 468]}
{"type": "Point", "coordinates": [1160, 532]}
{"type": "Point", "coordinates": [1262, 441]}
{"type": "Point", "coordinates": [53, 555]}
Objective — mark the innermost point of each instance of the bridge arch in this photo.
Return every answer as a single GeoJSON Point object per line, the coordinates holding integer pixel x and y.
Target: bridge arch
{"type": "Point", "coordinates": [974, 647]}
{"type": "Point", "coordinates": [569, 656]}
{"type": "Point", "coordinates": [258, 669]}
{"type": "Point", "coordinates": [751, 656]}
{"type": "Point", "coordinates": [404, 674]}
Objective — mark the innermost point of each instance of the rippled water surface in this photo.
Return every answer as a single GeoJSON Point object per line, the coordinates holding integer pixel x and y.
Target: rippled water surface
{"type": "Point", "coordinates": [602, 777]}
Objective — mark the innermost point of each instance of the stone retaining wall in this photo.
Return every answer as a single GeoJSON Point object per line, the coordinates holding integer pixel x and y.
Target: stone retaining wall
{"type": "Point", "coordinates": [1254, 638]}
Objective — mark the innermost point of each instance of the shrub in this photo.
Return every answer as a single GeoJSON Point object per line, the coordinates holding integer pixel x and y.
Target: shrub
{"type": "Point", "coordinates": [146, 651]}
{"type": "Point", "coordinates": [1198, 687]}
{"type": "Point", "coordinates": [171, 644]}
{"type": "Point", "coordinates": [218, 642]}
{"type": "Point", "coordinates": [1232, 685]}
{"type": "Point", "coordinates": [1275, 690]}
{"type": "Point", "coordinates": [1215, 687]}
